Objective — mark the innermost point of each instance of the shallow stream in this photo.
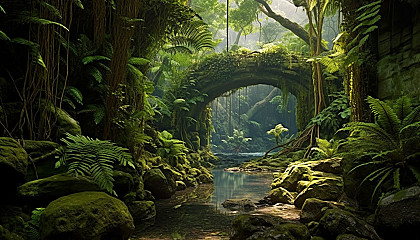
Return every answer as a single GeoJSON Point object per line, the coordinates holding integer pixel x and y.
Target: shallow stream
{"type": "Point", "coordinates": [197, 213]}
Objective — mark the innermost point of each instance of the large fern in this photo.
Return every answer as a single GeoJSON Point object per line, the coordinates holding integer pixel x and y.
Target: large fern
{"type": "Point", "coordinates": [93, 157]}
{"type": "Point", "coordinates": [190, 38]}
{"type": "Point", "coordinates": [391, 144]}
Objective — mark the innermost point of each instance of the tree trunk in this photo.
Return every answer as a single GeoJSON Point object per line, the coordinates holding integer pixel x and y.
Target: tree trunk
{"type": "Point", "coordinates": [259, 105]}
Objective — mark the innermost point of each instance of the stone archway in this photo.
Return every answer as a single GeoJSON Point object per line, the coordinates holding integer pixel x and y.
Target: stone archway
{"type": "Point", "coordinates": [225, 72]}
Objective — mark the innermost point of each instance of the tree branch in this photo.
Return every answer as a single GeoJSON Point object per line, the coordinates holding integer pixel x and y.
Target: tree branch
{"type": "Point", "coordinates": [292, 26]}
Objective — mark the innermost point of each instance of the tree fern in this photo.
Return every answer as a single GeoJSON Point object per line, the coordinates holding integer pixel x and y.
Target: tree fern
{"type": "Point", "coordinates": [391, 144]}
{"type": "Point", "coordinates": [86, 156]}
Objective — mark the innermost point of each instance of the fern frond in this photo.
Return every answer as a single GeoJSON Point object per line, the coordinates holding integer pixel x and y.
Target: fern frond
{"type": "Point", "coordinates": [79, 4]}
{"type": "Point", "coordinates": [95, 73]}
{"type": "Point", "coordinates": [385, 175]}
{"type": "Point", "coordinates": [373, 129]}
{"type": "Point", "coordinates": [51, 9]}
{"type": "Point", "coordinates": [138, 61]}
{"type": "Point", "coordinates": [28, 17]}
{"type": "Point", "coordinates": [3, 36]}
{"type": "Point", "coordinates": [89, 59]}
{"type": "Point", "coordinates": [413, 117]}
{"type": "Point", "coordinates": [416, 172]}
{"type": "Point", "coordinates": [96, 158]}
{"type": "Point", "coordinates": [75, 94]}
{"type": "Point", "coordinates": [402, 107]}
{"type": "Point", "coordinates": [386, 117]}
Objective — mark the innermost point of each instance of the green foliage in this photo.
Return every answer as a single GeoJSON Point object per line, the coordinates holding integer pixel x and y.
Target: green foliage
{"type": "Point", "coordinates": [86, 156]}
{"type": "Point", "coordinates": [237, 142]}
{"type": "Point", "coordinates": [390, 145]}
{"type": "Point", "coordinates": [171, 150]}
{"type": "Point", "coordinates": [32, 226]}
{"type": "Point", "coordinates": [335, 115]}
{"type": "Point", "coordinates": [277, 131]}
{"type": "Point", "coordinates": [327, 149]}
{"type": "Point", "coordinates": [192, 37]}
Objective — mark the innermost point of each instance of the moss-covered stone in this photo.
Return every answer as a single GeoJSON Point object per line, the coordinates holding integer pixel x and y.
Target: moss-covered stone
{"type": "Point", "coordinates": [349, 237]}
{"type": "Point", "coordinates": [398, 215]}
{"type": "Point", "coordinates": [86, 216]}
{"type": "Point", "coordinates": [40, 192]}
{"type": "Point", "coordinates": [13, 166]}
{"type": "Point", "coordinates": [180, 185]}
{"type": "Point", "coordinates": [13, 219]}
{"type": "Point", "coordinates": [123, 183]}
{"type": "Point", "coordinates": [325, 188]}
{"type": "Point", "coordinates": [313, 209]}
{"type": "Point", "coordinates": [159, 184]}
{"type": "Point", "coordinates": [294, 173]}
{"type": "Point", "coordinates": [239, 204]}
{"type": "Point", "coordinates": [244, 226]}
{"type": "Point", "coordinates": [142, 210]}
{"type": "Point", "coordinates": [280, 195]}
{"type": "Point", "coordinates": [43, 156]}
{"type": "Point", "coordinates": [336, 222]}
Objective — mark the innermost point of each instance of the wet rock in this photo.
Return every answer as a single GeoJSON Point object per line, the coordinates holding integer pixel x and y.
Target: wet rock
{"type": "Point", "coordinates": [13, 166]}
{"type": "Point", "coordinates": [40, 192]}
{"type": "Point", "coordinates": [398, 215]}
{"type": "Point", "coordinates": [180, 185]}
{"type": "Point", "coordinates": [86, 216]}
{"type": "Point", "coordinates": [161, 185]}
{"type": "Point", "coordinates": [336, 222]}
{"type": "Point", "coordinates": [239, 204]}
{"type": "Point", "coordinates": [313, 209]}
{"type": "Point", "coordinates": [324, 188]}
{"type": "Point", "coordinates": [232, 169]}
{"type": "Point", "coordinates": [142, 210]}
{"type": "Point", "coordinates": [280, 195]}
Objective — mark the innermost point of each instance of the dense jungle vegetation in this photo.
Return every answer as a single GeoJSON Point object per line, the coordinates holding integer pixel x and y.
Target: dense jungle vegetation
{"type": "Point", "coordinates": [133, 98]}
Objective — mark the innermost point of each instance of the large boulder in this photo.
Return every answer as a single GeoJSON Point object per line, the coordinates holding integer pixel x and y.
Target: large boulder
{"type": "Point", "coordinates": [13, 166]}
{"type": "Point", "coordinates": [142, 210]}
{"type": "Point", "coordinates": [43, 157]}
{"type": "Point", "coordinates": [40, 192]}
{"type": "Point", "coordinates": [313, 209]}
{"type": "Point", "coordinates": [161, 185]}
{"type": "Point", "coordinates": [86, 216]}
{"type": "Point", "coordinates": [398, 215]}
{"type": "Point", "coordinates": [324, 188]}
{"type": "Point", "coordinates": [280, 195]}
{"type": "Point", "coordinates": [13, 219]}
{"type": "Point", "coordinates": [248, 227]}
{"type": "Point", "coordinates": [239, 204]}
{"type": "Point", "coordinates": [289, 179]}
{"type": "Point", "coordinates": [331, 165]}
{"type": "Point", "coordinates": [336, 222]}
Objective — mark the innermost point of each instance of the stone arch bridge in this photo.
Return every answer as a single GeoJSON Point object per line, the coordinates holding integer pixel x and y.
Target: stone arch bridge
{"type": "Point", "coordinates": [223, 72]}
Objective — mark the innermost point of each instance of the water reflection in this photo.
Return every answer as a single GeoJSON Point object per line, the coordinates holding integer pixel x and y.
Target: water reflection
{"type": "Point", "coordinates": [196, 213]}
{"type": "Point", "coordinates": [238, 185]}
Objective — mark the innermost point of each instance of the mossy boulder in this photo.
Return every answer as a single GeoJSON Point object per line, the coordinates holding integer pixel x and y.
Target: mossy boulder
{"type": "Point", "coordinates": [313, 209]}
{"type": "Point", "coordinates": [13, 219]}
{"type": "Point", "coordinates": [123, 183]}
{"type": "Point", "coordinates": [324, 188]}
{"type": "Point", "coordinates": [286, 231]}
{"type": "Point", "coordinates": [289, 179]}
{"type": "Point", "coordinates": [161, 185]}
{"type": "Point", "coordinates": [336, 222]}
{"type": "Point", "coordinates": [244, 226]}
{"type": "Point", "coordinates": [331, 165]}
{"type": "Point", "coordinates": [13, 166]}
{"type": "Point", "coordinates": [239, 204]}
{"type": "Point", "coordinates": [398, 215]}
{"type": "Point", "coordinates": [39, 193]}
{"type": "Point", "coordinates": [280, 195]}
{"type": "Point", "coordinates": [86, 216]}
{"type": "Point", "coordinates": [43, 156]}
{"type": "Point", "coordinates": [142, 210]}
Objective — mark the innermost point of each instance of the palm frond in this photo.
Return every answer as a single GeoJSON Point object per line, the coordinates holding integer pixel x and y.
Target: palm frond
{"type": "Point", "coordinates": [28, 17]}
